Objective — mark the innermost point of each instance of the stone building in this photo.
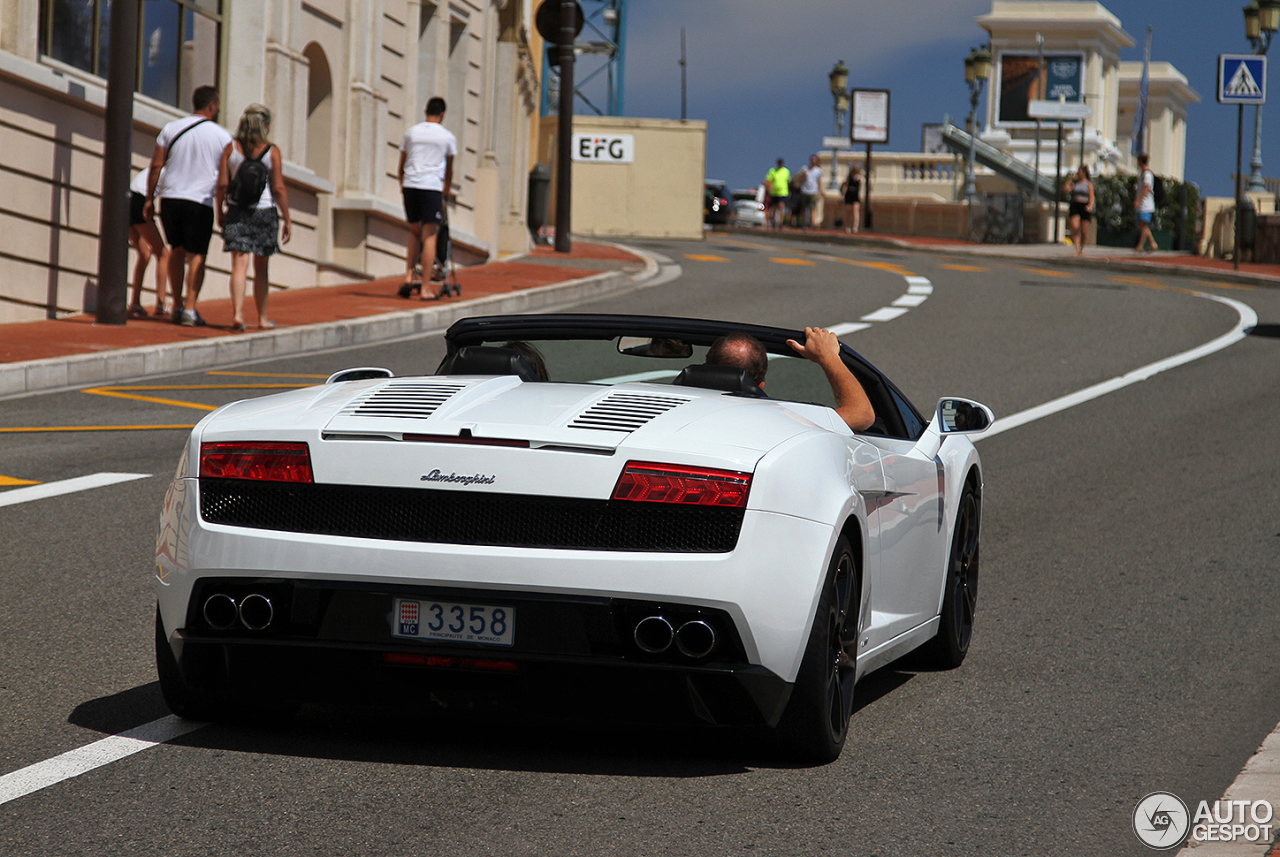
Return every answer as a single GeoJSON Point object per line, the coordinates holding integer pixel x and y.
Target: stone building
{"type": "Point", "coordinates": [344, 78]}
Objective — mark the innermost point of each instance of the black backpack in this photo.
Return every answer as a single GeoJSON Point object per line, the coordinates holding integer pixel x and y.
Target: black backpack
{"type": "Point", "coordinates": [249, 181]}
{"type": "Point", "coordinates": [1157, 190]}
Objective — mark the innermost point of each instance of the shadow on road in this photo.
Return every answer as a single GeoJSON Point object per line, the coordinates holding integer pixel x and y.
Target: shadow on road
{"type": "Point", "coordinates": [467, 739]}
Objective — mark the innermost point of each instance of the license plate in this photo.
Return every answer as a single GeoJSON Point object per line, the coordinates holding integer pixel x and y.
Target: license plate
{"type": "Point", "coordinates": [456, 623]}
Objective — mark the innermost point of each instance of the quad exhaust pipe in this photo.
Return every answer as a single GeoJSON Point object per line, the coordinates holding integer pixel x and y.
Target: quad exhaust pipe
{"type": "Point", "coordinates": [693, 639]}
{"type": "Point", "coordinates": [255, 612]}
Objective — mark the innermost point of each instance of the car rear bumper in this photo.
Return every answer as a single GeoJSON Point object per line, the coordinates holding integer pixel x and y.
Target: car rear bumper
{"type": "Point", "coordinates": [569, 655]}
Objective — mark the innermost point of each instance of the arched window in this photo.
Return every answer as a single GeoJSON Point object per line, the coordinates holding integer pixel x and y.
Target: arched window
{"type": "Point", "coordinates": [319, 110]}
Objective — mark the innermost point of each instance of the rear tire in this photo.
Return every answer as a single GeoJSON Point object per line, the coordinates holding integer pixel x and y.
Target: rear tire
{"type": "Point", "coordinates": [948, 648]}
{"type": "Point", "coordinates": [816, 721]}
{"type": "Point", "coordinates": [181, 699]}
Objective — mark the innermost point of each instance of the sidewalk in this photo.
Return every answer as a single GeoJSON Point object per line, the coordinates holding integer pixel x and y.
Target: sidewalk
{"type": "Point", "coordinates": [74, 351]}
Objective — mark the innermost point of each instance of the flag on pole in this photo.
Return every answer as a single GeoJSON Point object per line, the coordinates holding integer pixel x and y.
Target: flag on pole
{"type": "Point", "coordinates": [1139, 135]}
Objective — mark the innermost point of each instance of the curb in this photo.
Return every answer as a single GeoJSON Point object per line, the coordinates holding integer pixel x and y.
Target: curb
{"type": "Point", "coordinates": [128, 364]}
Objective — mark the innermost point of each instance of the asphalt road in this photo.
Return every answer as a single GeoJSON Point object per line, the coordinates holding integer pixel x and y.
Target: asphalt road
{"type": "Point", "coordinates": [1125, 641]}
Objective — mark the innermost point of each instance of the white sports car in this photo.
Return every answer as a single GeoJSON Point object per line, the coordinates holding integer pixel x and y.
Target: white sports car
{"type": "Point", "coordinates": [574, 513]}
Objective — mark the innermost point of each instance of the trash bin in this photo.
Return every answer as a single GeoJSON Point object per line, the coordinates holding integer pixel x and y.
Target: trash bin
{"type": "Point", "coordinates": [1247, 223]}
{"type": "Point", "coordinates": [539, 198]}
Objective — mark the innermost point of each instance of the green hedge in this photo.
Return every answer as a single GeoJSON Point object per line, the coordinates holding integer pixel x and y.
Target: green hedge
{"type": "Point", "coordinates": [1113, 204]}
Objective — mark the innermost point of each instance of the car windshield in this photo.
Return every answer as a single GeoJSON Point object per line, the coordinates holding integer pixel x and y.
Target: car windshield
{"type": "Point", "coordinates": [594, 361]}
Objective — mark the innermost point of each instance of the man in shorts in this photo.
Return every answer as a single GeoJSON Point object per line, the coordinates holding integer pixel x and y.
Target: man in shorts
{"type": "Point", "coordinates": [778, 184]}
{"type": "Point", "coordinates": [426, 180]}
{"type": "Point", "coordinates": [188, 150]}
{"type": "Point", "coordinates": [1145, 204]}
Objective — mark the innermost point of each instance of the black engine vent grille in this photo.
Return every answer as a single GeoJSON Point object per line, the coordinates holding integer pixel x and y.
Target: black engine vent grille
{"type": "Point", "coordinates": [465, 518]}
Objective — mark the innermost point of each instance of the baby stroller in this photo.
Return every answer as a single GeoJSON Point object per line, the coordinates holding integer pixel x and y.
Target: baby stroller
{"type": "Point", "coordinates": [443, 270]}
{"type": "Point", "coordinates": [445, 273]}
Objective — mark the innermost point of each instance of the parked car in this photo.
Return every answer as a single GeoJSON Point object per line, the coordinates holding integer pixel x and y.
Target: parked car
{"type": "Point", "coordinates": [748, 207]}
{"type": "Point", "coordinates": [573, 515]}
{"type": "Point", "coordinates": [716, 208]}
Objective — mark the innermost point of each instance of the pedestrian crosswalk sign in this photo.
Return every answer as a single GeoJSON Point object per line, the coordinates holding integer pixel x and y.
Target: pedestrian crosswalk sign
{"type": "Point", "coordinates": [1242, 79]}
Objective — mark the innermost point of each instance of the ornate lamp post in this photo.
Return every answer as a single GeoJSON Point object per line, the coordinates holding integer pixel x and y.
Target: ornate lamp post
{"type": "Point", "coordinates": [1261, 20]}
{"type": "Point", "coordinates": [977, 68]}
{"type": "Point", "coordinates": [839, 78]}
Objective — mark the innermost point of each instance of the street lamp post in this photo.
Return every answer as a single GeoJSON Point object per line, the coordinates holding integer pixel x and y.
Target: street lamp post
{"type": "Point", "coordinates": [1261, 20]}
{"type": "Point", "coordinates": [977, 67]}
{"type": "Point", "coordinates": [839, 78]}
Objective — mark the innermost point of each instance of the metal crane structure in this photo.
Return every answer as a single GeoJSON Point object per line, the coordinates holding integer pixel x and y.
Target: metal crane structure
{"type": "Point", "coordinates": [599, 50]}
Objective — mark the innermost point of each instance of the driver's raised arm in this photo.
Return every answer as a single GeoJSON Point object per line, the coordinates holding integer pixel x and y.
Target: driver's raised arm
{"type": "Point", "coordinates": [823, 347]}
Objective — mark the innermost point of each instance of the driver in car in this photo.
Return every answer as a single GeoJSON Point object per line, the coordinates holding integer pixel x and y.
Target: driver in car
{"type": "Point", "coordinates": [744, 351]}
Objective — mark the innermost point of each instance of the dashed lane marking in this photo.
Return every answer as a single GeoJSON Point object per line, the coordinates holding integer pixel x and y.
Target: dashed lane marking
{"type": "Point", "coordinates": [783, 260]}
{"type": "Point", "coordinates": [703, 257]}
{"type": "Point", "coordinates": [66, 486]}
{"type": "Point", "coordinates": [973, 269]}
{"type": "Point", "coordinates": [1048, 272]}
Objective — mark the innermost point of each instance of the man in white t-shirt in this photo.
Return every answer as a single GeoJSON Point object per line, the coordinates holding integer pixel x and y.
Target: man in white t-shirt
{"type": "Point", "coordinates": [426, 180]}
{"type": "Point", "coordinates": [189, 151]}
{"type": "Point", "coordinates": [1145, 204]}
{"type": "Point", "coordinates": [810, 187]}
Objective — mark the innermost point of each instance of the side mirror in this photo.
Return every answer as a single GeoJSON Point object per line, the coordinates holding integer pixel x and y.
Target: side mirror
{"type": "Point", "coordinates": [363, 373]}
{"type": "Point", "coordinates": [961, 416]}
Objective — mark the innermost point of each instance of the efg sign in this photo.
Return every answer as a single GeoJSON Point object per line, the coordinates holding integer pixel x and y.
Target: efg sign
{"type": "Point", "coordinates": [604, 148]}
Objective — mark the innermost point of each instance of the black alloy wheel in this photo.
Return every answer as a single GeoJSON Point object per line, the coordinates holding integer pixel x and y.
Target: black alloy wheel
{"type": "Point", "coordinates": [947, 650]}
{"type": "Point", "coordinates": [816, 722]}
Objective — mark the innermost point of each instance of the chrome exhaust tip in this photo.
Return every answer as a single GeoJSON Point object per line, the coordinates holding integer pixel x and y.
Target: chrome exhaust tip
{"type": "Point", "coordinates": [653, 634]}
{"type": "Point", "coordinates": [256, 611]}
{"type": "Point", "coordinates": [696, 639]}
{"type": "Point", "coordinates": [220, 611]}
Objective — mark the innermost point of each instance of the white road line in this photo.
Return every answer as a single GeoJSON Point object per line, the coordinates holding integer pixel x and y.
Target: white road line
{"type": "Point", "coordinates": [885, 314]}
{"type": "Point", "coordinates": [1248, 319]}
{"type": "Point", "coordinates": [65, 486]}
{"type": "Point", "coordinates": [81, 760]}
{"type": "Point", "coordinates": [910, 300]}
{"type": "Point", "coordinates": [847, 327]}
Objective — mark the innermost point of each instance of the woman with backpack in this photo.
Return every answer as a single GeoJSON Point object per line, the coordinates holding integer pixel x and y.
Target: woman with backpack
{"type": "Point", "coordinates": [250, 189]}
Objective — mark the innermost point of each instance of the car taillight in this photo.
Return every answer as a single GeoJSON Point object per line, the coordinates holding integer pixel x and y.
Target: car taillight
{"type": "Point", "coordinates": [270, 461]}
{"type": "Point", "coordinates": [647, 482]}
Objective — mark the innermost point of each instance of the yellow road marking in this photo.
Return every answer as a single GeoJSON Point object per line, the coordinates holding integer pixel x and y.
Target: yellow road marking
{"type": "Point", "coordinates": [262, 374]}
{"type": "Point", "coordinates": [119, 393]}
{"type": "Point", "coordinates": [1048, 272]}
{"type": "Point", "coordinates": [1134, 281]}
{"type": "Point", "coordinates": [13, 480]}
{"type": "Point", "coordinates": [974, 268]}
{"type": "Point", "coordinates": [32, 429]}
{"type": "Point", "coordinates": [739, 243]}
{"type": "Point", "coordinates": [785, 261]}
{"type": "Point", "coordinates": [699, 257]}
{"type": "Point", "coordinates": [880, 266]}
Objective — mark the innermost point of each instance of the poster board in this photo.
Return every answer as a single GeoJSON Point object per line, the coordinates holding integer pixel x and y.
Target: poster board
{"type": "Point", "coordinates": [870, 116]}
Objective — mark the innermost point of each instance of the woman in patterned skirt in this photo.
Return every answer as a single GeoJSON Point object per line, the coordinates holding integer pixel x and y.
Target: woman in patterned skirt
{"type": "Point", "coordinates": [249, 229]}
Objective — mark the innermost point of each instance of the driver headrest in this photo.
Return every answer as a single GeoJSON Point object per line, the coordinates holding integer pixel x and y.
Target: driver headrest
{"type": "Point", "coordinates": [710, 376]}
{"type": "Point", "coordinates": [488, 360]}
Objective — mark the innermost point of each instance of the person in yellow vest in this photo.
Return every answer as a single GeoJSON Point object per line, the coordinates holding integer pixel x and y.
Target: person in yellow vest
{"type": "Point", "coordinates": [778, 183]}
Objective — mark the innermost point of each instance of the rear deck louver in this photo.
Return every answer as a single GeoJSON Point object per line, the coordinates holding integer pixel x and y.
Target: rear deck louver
{"type": "Point", "coordinates": [625, 411]}
{"type": "Point", "coordinates": [408, 399]}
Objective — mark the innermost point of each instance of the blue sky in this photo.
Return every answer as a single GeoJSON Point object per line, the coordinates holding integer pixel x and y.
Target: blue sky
{"type": "Point", "coordinates": [757, 72]}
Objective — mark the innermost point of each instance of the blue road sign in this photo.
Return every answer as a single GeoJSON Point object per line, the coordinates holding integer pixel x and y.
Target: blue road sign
{"type": "Point", "coordinates": [1242, 79]}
